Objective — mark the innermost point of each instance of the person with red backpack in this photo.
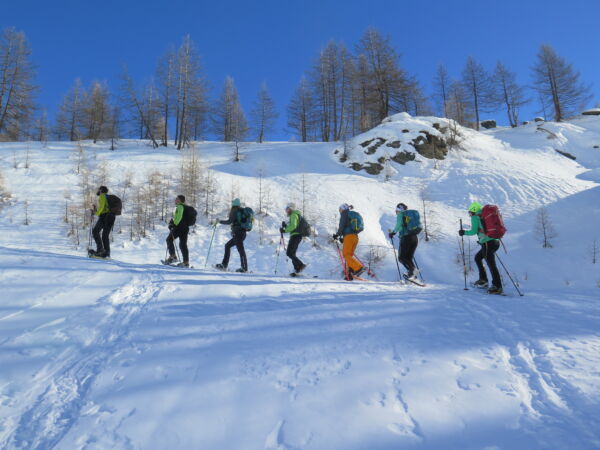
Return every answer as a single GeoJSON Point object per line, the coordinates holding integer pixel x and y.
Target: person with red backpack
{"type": "Point", "coordinates": [487, 224]}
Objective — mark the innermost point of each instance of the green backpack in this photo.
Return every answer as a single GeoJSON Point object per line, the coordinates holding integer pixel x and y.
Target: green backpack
{"type": "Point", "coordinates": [246, 218]}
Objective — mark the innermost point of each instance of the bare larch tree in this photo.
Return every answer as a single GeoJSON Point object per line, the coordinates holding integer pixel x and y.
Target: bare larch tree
{"type": "Point", "coordinates": [16, 84]}
{"type": "Point", "coordinates": [507, 93]}
{"type": "Point", "coordinates": [559, 84]}
{"type": "Point", "coordinates": [263, 114]}
{"type": "Point", "coordinates": [477, 84]}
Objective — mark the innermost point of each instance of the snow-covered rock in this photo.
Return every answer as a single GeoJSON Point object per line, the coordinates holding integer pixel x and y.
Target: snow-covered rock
{"type": "Point", "coordinates": [400, 138]}
{"type": "Point", "coordinates": [591, 112]}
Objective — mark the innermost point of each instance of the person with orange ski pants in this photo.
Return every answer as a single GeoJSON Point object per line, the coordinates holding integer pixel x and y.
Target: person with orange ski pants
{"type": "Point", "coordinates": [351, 224]}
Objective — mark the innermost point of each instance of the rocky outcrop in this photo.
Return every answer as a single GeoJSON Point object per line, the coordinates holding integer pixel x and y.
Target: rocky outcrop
{"type": "Point", "coordinates": [429, 146]}
{"type": "Point", "coordinates": [399, 140]}
{"type": "Point", "coordinates": [488, 124]}
{"type": "Point", "coordinates": [591, 112]}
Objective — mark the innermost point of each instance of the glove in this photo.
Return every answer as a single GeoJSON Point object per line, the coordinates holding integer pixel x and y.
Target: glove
{"type": "Point", "coordinates": [391, 234]}
{"type": "Point", "coordinates": [283, 224]}
{"type": "Point", "coordinates": [282, 230]}
{"type": "Point", "coordinates": [461, 232]}
{"type": "Point", "coordinates": [335, 236]}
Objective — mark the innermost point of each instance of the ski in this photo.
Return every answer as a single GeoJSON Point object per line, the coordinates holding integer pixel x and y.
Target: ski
{"type": "Point", "coordinates": [485, 288]}
{"type": "Point", "coordinates": [415, 282]}
{"type": "Point", "coordinates": [299, 275]}
{"type": "Point", "coordinates": [104, 258]}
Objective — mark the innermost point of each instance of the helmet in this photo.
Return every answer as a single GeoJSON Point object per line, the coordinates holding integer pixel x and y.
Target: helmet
{"type": "Point", "coordinates": [475, 208]}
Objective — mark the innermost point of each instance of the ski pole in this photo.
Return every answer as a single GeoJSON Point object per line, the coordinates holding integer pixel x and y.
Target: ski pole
{"type": "Point", "coordinates": [90, 236]}
{"type": "Point", "coordinates": [281, 241]}
{"type": "Point", "coordinates": [211, 243]}
{"type": "Point", "coordinates": [342, 260]}
{"type": "Point", "coordinates": [417, 266]}
{"type": "Point", "coordinates": [462, 248]}
{"type": "Point", "coordinates": [396, 259]}
{"type": "Point", "coordinates": [369, 271]}
{"type": "Point", "coordinates": [511, 278]}
{"type": "Point", "coordinates": [167, 249]}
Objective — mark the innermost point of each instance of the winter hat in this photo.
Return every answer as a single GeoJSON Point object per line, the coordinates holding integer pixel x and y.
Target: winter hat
{"type": "Point", "coordinates": [401, 207]}
{"type": "Point", "coordinates": [236, 202]}
{"type": "Point", "coordinates": [344, 206]}
{"type": "Point", "coordinates": [291, 206]}
{"type": "Point", "coordinates": [475, 208]}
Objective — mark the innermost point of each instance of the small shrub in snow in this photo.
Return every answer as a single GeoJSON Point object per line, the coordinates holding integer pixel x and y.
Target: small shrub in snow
{"type": "Point", "coordinates": [544, 229]}
{"type": "Point", "coordinates": [595, 251]}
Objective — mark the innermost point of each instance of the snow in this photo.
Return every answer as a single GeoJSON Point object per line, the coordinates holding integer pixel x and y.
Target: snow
{"type": "Point", "coordinates": [128, 353]}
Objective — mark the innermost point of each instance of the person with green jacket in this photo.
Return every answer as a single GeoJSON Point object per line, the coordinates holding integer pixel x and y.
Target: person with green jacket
{"type": "Point", "coordinates": [295, 237]}
{"type": "Point", "coordinates": [489, 247]}
{"type": "Point", "coordinates": [178, 228]}
{"type": "Point", "coordinates": [104, 225]}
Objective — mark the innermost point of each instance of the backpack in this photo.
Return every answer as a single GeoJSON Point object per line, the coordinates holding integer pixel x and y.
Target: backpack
{"type": "Point", "coordinates": [412, 222]}
{"type": "Point", "coordinates": [189, 215]}
{"type": "Point", "coordinates": [303, 227]}
{"type": "Point", "coordinates": [492, 222]}
{"type": "Point", "coordinates": [246, 218]}
{"type": "Point", "coordinates": [356, 222]}
{"type": "Point", "coordinates": [115, 205]}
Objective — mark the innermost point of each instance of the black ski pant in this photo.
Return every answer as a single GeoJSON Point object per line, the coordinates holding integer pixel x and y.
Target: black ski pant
{"type": "Point", "coordinates": [180, 232]}
{"type": "Point", "coordinates": [237, 240]}
{"type": "Point", "coordinates": [104, 225]}
{"type": "Point", "coordinates": [488, 252]}
{"type": "Point", "coordinates": [406, 252]}
{"type": "Point", "coordinates": [292, 248]}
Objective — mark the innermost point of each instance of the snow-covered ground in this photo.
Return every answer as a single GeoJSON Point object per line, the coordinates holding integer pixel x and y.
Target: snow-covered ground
{"type": "Point", "coordinates": [132, 354]}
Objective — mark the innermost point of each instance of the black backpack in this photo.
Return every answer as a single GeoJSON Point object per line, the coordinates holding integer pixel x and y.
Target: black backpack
{"type": "Point", "coordinates": [303, 227]}
{"type": "Point", "coordinates": [115, 205]}
{"type": "Point", "coordinates": [189, 215]}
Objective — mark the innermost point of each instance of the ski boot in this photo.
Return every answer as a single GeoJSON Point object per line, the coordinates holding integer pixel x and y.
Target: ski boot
{"type": "Point", "coordinates": [481, 284]}
{"type": "Point", "coordinates": [220, 267]}
{"type": "Point", "coordinates": [495, 290]}
{"type": "Point", "coordinates": [170, 260]}
{"type": "Point", "coordinates": [184, 264]}
{"type": "Point", "coordinates": [359, 272]}
{"type": "Point", "coordinates": [300, 269]}
{"type": "Point", "coordinates": [241, 270]}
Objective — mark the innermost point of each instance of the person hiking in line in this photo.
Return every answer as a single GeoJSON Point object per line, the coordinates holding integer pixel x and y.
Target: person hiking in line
{"type": "Point", "coordinates": [104, 224]}
{"type": "Point", "coordinates": [351, 224]}
{"type": "Point", "coordinates": [238, 235]}
{"type": "Point", "coordinates": [293, 228]}
{"type": "Point", "coordinates": [489, 247]}
{"type": "Point", "coordinates": [179, 229]}
{"type": "Point", "coordinates": [408, 227]}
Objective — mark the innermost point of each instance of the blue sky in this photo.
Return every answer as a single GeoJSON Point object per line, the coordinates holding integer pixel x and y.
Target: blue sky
{"type": "Point", "coordinates": [276, 40]}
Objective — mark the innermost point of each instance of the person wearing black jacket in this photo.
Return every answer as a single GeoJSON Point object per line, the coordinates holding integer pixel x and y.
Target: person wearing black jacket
{"type": "Point", "coordinates": [238, 235]}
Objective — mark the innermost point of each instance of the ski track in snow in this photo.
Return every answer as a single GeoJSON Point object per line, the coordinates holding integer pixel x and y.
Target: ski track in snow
{"type": "Point", "coordinates": [69, 377]}
{"type": "Point", "coordinates": [566, 413]}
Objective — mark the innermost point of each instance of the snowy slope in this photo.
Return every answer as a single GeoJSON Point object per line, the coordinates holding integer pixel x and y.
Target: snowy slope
{"type": "Point", "coordinates": [131, 354]}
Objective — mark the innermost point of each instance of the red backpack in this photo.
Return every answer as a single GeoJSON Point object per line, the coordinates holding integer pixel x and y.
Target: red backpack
{"type": "Point", "coordinates": [493, 224]}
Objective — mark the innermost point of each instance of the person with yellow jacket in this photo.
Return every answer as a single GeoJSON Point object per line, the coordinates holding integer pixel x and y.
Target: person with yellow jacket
{"type": "Point", "coordinates": [179, 229]}
{"type": "Point", "coordinates": [104, 225]}
{"type": "Point", "coordinates": [350, 225]}
{"type": "Point", "coordinates": [293, 228]}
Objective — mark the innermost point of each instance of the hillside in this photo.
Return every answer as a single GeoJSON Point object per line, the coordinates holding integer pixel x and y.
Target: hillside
{"type": "Point", "coordinates": [132, 354]}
